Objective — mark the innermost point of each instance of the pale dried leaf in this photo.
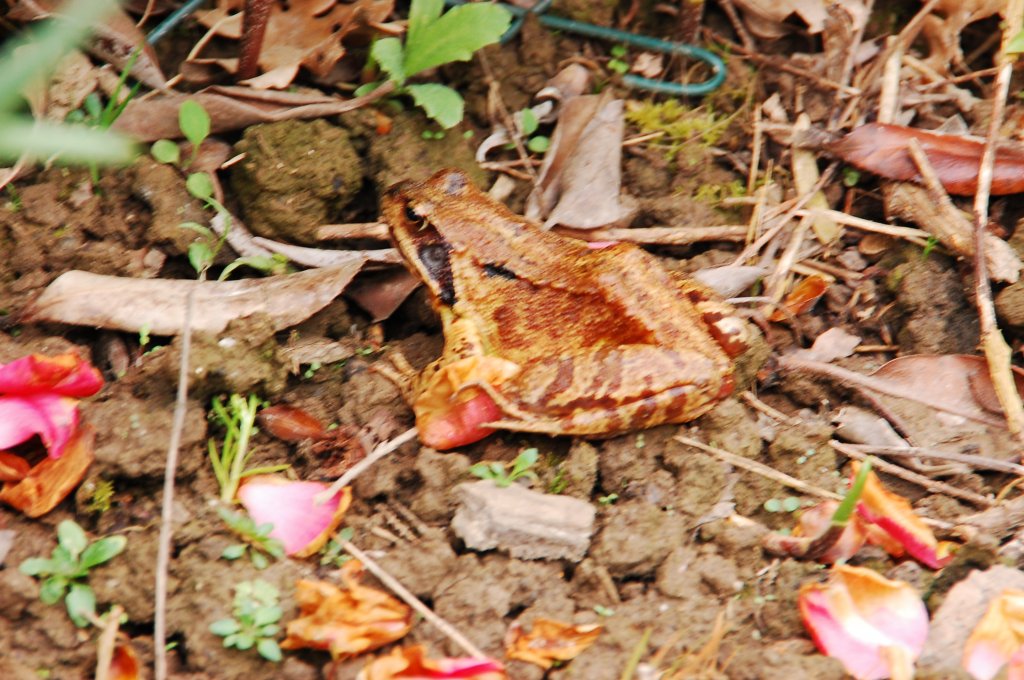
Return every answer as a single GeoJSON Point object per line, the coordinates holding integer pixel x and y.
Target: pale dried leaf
{"type": "Point", "coordinates": [127, 304]}
{"type": "Point", "coordinates": [835, 343]}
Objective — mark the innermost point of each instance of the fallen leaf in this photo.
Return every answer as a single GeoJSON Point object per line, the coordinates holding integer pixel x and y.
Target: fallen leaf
{"type": "Point", "coordinates": [835, 343]}
{"type": "Point", "coordinates": [410, 663]}
{"type": "Point", "coordinates": [998, 639]}
{"type": "Point", "coordinates": [50, 481]}
{"type": "Point", "coordinates": [549, 641]}
{"type": "Point", "coordinates": [765, 17]}
{"type": "Point", "coordinates": [232, 108]}
{"type": "Point", "coordinates": [882, 149]}
{"type": "Point", "coordinates": [301, 33]}
{"type": "Point", "coordinates": [381, 293]}
{"type": "Point", "coordinates": [805, 179]}
{"type": "Point", "coordinates": [129, 304]}
{"type": "Point", "coordinates": [802, 298]}
{"type": "Point", "coordinates": [874, 626]}
{"type": "Point", "coordinates": [346, 622]}
{"type": "Point", "coordinates": [813, 525]}
{"type": "Point", "coordinates": [300, 523]}
{"type": "Point", "coordinates": [12, 467]}
{"type": "Point", "coordinates": [125, 663]}
{"type": "Point", "coordinates": [581, 179]}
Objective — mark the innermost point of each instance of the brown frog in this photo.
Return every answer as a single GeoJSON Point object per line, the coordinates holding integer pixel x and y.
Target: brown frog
{"type": "Point", "coordinates": [545, 333]}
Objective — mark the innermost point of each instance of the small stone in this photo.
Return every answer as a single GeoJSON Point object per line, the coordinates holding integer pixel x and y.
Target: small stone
{"type": "Point", "coordinates": [530, 525]}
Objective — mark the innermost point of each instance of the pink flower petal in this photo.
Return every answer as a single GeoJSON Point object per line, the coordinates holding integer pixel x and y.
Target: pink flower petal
{"type": "Point", "coordinates": [998, 638]}
{"type": "Point", "coordinates": [65, 374]}
{"type": "Point", "coordinates": [299, 523]}
{"type": "Point", "coordinates": [52, 417]}
{"type": "Point", "coordinates": [874, 626]}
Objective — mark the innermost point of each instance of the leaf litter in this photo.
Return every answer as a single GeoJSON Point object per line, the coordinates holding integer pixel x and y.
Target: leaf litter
{"type": "Point", "coordinates": [821, 229]}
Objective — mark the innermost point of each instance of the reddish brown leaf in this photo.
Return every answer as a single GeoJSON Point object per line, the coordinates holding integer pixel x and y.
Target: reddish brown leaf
{"type": "Point", "coordinates": [49, 482]}
{"type": "Point", "coordinates": [803, 296]}
{"type": "Point", "coordinates": [12, 468]}
{"type": "Point", "coordinates": [291, 424]}
{"type": "Point", "coordinates": [882, 149]}
{"type": "Point", "coordinates": [125, 664]}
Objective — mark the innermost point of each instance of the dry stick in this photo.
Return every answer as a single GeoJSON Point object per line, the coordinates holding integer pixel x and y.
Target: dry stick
{"type": "Point", "coordinates": [163, 557]}
{"type": "Point", "coordinates": [912, 234]}
{"type": "Point", "coordinates": [254, 27]}
{"type": "Point", "coordinates": [360, 467]}
{"type": "Point", "coordinates": [759, 468]}
{"type": "Point", "coordinates": [848, 64]}
{"type": "Point", "coordinates": [921, 480]}
{"type": "Point", "coordinates": [414, 602]}
{"type": "Point", "coordinates": [997, 352]}
{"type": "Point", "coordinates": [107, 641]}
{"type": "Point", "coordinates": [870, 383]}
{"type": "Point", "coordinates": [954, 238]}
{"type": "Point", "coordinates": [975, 461]}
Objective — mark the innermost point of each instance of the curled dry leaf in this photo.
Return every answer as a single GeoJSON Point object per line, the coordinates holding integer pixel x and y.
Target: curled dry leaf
{"type": "Point", "coordinates": [882, 149]}
{"type": "Point", "coordinates": [549, 641]}
{"type": "Point", "coordinates": [874, 626]}
{"type": "Point", "coordinates": [158, 305]}
{"type": "Point", "coordinates": [998, 639]}
{"type": "Point", "coordinates": [50, 481]}
{"type": "Point", "coordinates": [580, 180]}
{"type": "Point", "coordinates": [835, 343]}
{"type": "Point", "coordinates": [301, 33]}
{"type": "Point", "coordinates": [346, 622]}
{"type": "Point", "coordinates": [411, 663]}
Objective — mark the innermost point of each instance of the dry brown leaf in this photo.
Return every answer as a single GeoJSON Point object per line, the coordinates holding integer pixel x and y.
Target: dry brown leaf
{"type": "Point", "coordinates": [114, 39]}
{"type": "Point", "coordinates": [581, 178]}
{"type": "Point", "coordinates": [549, 641]}
{"type": "Point", "coordinates": [303, 33]}
{"type": "Point", "coordinates": [802, 298]}
{"type": "Point", "coordinates": [12, 468]}
{"type": "Point", "coordinates": [346, 622]}
{"type": "Point", "coordinates": [125, 663]}
{"type": "Point", "coordinates": [381, 293]}
{"type": "Point", "coordinates": [231, 108]}
{"type": "Point", "coordinates": [835, 343]}
{"type": "Point", "coordinates": [51, 480]}
{"type": "Point", "coordinates": [764, 18]}
{"type": "Point", "coordinates": [128, 304]}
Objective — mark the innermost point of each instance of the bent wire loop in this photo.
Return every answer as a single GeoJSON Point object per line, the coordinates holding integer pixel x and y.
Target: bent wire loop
{"type": "Point", "coordinates": [645, 42]}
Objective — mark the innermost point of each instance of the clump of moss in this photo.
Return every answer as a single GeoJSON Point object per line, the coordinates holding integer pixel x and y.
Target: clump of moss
{"type": "Point", "coordinates": [680, 126]}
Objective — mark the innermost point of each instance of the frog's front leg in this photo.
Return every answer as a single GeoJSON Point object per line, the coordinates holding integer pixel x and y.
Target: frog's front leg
{"type": "Point", "coordinates": [605, 391]}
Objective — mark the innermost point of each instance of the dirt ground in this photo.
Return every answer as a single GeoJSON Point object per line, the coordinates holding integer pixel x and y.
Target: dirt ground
{"type": "Point", "coordinates": [675, 566]}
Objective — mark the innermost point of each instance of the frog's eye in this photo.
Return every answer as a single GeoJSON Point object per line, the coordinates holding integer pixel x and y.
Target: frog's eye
{"type": "Point", "coordinates": [411, 215]}
{"type": "Point", "coordinates": [434, 257]}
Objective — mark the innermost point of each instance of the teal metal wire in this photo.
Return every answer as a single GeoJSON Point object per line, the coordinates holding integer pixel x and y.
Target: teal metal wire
{"type": "Point", "coordinates": [614, 35]}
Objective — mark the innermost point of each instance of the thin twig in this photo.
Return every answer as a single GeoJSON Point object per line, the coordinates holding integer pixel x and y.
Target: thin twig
{"type": "Point", "coordinates": [403, 594]}
{"type": "Point", "coordinates": [163, 557]}
{"type": "Point", "coordinates": [107, 641]}
{"type": "Point", "coordinates": [997, 352]}
{"type": "Point", "coordinates": [363, 465]}
{"type": "Point", "coordinates": [760, 469]}
{"type": "Point", "coordinates": [905, 474]}
{"type": "Point", "coordinates": [974, 461]}
{"type": "Point", "coordinates": [378, 231]}
{"type": "Point", "coordinates": [770, 411]}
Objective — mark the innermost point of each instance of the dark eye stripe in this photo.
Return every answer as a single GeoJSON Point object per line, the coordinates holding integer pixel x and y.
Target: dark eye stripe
{"type": "Point", "coordinates": [436, 261]}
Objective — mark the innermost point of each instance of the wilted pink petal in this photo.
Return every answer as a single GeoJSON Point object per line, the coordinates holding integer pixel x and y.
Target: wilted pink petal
{"type": "Point", "coordinates": [66, 375]}
{"type": "Point", "coordinates": [874, 626]}
{"type": "Point", "coordinates": [893, 513]}
{"type": "Point", "coordinates": [52, 417]}
{"type": "Point", "coordinates": [808, 538]}
{"type": "Point", "coordinates": [299, 523]}
{"type": "Point", "coordinates": [998, 638]}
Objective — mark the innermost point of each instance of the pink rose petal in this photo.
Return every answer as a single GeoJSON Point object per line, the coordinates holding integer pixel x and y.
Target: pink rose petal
{"type": "Point", "coordinates": [52, 417]}
{"type": "Point", "coordinates": [299, 523]}
{"type": "Point", "coordinates": [65, 374]}
{"type": "Point", "coordinates": [874, 626]}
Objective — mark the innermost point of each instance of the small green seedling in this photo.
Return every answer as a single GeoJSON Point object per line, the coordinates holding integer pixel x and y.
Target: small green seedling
{"type": "Point", "coordinates": [502, 475]}
{"type": "Point", "coordinates": [333, 554]}
{"type": "Point", "coordinates": [256, 539]}
{"type": "Point", "coordinates": [102, 497]}
{"type": "Point", "coordinates": [617, 63]}
{"type": "Point", "coordinates": [609, 499]}
{"type": "Point", "coordinates": [255, 622]}
{"type": "Point", "coordinates": [238, 418]}
{"type": "Point", "coordinates": [529, 124]}
{"type": "Point", "coordinates": [68, 567]}
{"type": "Point", "coordinates": [787, 504]}
{"type": "Point", "coordinates": [431, 40]}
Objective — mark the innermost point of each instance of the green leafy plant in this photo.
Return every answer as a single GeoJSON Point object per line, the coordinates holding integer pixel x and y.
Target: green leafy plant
{"type": "Point", "coordinates": [502, 474]}
{"type": "Point", "coordinates": [194, 123]}
{"type": "Point", "coordinates": [333, 554]}
{"type": "Point", "coordinates": [433, 39]}
{"type": "Point", "coordinates": [238, 418]}
{"type": "Point", "coordinates": [256, 540]}
{"type": "Point", "coordinates": [255, 621]}
{"type": "Point", "coordinates": [30, 59]}
{"type": "Point", "coordinates": [65, 571]}
{"type": "Point", "coordinates": [528, 124]}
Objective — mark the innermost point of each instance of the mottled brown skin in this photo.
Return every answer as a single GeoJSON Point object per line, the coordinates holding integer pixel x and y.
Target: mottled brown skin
{"type": "Point", "coordinates": [605, 340]}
